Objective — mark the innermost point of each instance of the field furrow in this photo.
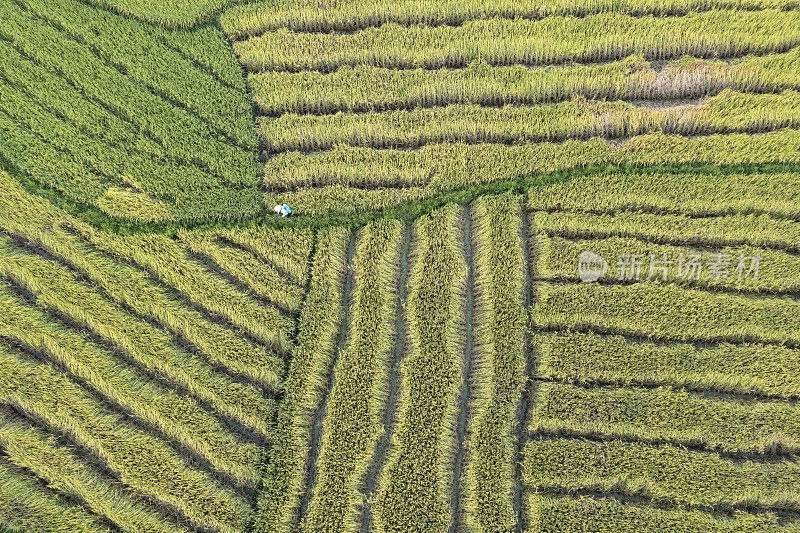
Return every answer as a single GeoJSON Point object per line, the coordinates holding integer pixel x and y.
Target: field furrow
{"type": "Point", "coordinates": [668, 312]}
{"type": "Point", "coordinates": [351, 425]}
{"type": "Point", "coordinates": [750, 369]}
{"type": "Point", "coordinates": [664, 473]}
{"type": "Point", "coordinates": [255, 18]}
{"type": "Point", "coordinates": [58, 290]}
{"type": "Point", "coordinates": [369, 88]}
{"type": "Point", "coordinates": [140, 460]}
{"type": "Point", "coordinates": [305, 384]}
{"type": "Point", "coordinates": [63, 471]}
{"type": "Point", "coordinates": [498, 372]}
{"type": "Point", "coordinates": [561, 514]}
{"type": "Point", "coordinates": [665, 415]}
{"type": "Point", "coordinates": [415, 487]}
{"type": "Point", "coordinates": [728, 112]}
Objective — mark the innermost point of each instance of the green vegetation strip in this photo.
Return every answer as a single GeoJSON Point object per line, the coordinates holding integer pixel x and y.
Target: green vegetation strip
{"type": "Point", "coordinates": [727, 112]}
{"type": "Point", "coordinates": [140, 461]}
{"type": "Point", "coordinates": [352, 423]}
{"type": "Point", "coordinates": [414, 492]}
{"type": "Point", "coordinates": [25, 506]}
{"type": "Point", "coordinates": [549, 514]}
{"type": "Point", "coordinates": [58, 290]}
{"type": "Point", "coordinates": [499, 363]}
{"type": "Point", "coordinates": [656, 415]}
{"type": "Point", "coordinates": [778, 271]}
{"type": "Point", "coordinates": [667, 311]}
{"type": "Point", "coordinates": [742, 368]}
{"type": "Point", "coordinates": [372, 88]}
{"type": "Point", "coordinates": [307, 15]}
{"type": "Point", "coordinates": [601, 37]}
{"type": "Point", "coordinates": [663, 473]}
{"type": "Point", "coordinates": [64, 472]}
{"type": "Point", "coordinates": [692, 193]}
{"type": "Point", "coordinates": [304, 388]}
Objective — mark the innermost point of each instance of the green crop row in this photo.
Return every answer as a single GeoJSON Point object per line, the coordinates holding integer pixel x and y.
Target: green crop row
{"type": "Point", "coordinates": [138, 459]}
{"type": "Point", "coordinates": [369, 88]}
{"type": "Point", "coordinates": [58, 290]}
{"type": "Point", "coordinates": [208, 46]}
{"type": "Point", "coordinates": [288, 250]}
{"type": "Point", "coordinates": [577, 119]}
{"type": "Point", "coordinates": [25, 506]}
{"type": "Point", "coordinates": [745, 368]}
{"type": "Point", "coordinates": [307, 15]}
{"type": "Point", "coordinates": [179, 417]}
{"type": "Point", "coordinates": [137, 49]}
{"type": "Point", "coordinates": [179, 133]}
{"type": "Point", "coordinates": [499, 41]}
{"type": "Point", "coordinates": [170, 262]}
{"type": "Point", "coordinates": [663, 473]}
{"type": "Point", "coordinates": [499, 362]}
{"type": "Point", "coordinates": [340, 175]}
{"type": "Point", "coordinates": [37, 221]}
{"type": "Point", "coordinates": [40, 454]}
{"type": "Point", "coordinates": [664, 192]}
{"type": "Point", "coordinates": [415, 484]}
{"type": "Point", "coordinates": [557, 259]}
{"type": "Point", "coordinates": [548, 514]}
{"type": "Point", "coordinates": [667, 311]}
{"type": "Point", "coordinates": [262, 278]}
{"type": "Point", "coordinates": [168, 13]}
{"type": "Point", "coordinates": [666, 415]}
{"type": "Point", "coordinates": [305, 383]}
{"type": "Point", "coordinates": [352, 423]}
{"type": "Point", "coordinates": [39, 133]}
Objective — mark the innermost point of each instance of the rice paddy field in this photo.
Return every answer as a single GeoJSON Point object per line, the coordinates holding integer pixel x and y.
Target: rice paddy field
{"type": "Point", "coordinates": [542, 272]}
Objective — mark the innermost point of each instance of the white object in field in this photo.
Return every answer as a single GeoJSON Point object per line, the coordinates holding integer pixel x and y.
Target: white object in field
{"type": "Point", "coordinates": [283, 210]}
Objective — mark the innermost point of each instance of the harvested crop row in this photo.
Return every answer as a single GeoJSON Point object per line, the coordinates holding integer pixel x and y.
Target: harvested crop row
{"type": "Point", "coordinates": [369, 88]}
{"type": "Point", "coordinates": [737, 269]}
{"type": "Point", "coordinates": [352, 423]}
{"type": "Point", "coordinates": [727, 112]}
{"type": "Point", "coordinates": [307, 377]}
{"type": "Point", "coordinates": [38, 222]}
{"type": "Point", "coordinates": [263, 279]}
{"type": "Point", "coordinates": [664, 473]}
{"type": "Point", "coordinates": [715, 232]}
{"type": "Point", "coordinates": [63, 471]}
{"type": "Point", "coordinates": [178, 417]}
{"type": "Point", "coordinates": [139, 460]}
{"type": "Point", "coordinates": [497, 41]}
{"type": "Point", "coordinates": [414, 493]}
{"type": "Point", "coordinates": [549, 514]}
{"type": "Point", "coordinates": [131, 46]}
{"type": "Point", "coordinates": [499, 363]}
{"type": "Point", "coordinates": [745, 369]}
{"type": "Point", "coordinates": [342, 173]}
{"type": "Point", "coordinates": [257, 17]}
{"type": "Point", "coordinates": [664, 192]}
{"type": "Point", "coordinates": [656, 415]}
{"type": "Point", "coordinates": [59, 291]}
{"type": "Point", "coordinates": [25, 506]}
{"type": "Point", "coordinates": [667, 311]}
{"type": "Point", "coordinates": [180, 133]}
{"type": "Point", "coordinates": [170, 262]}
{"type": "Point", "coordinates": [287, 249]}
